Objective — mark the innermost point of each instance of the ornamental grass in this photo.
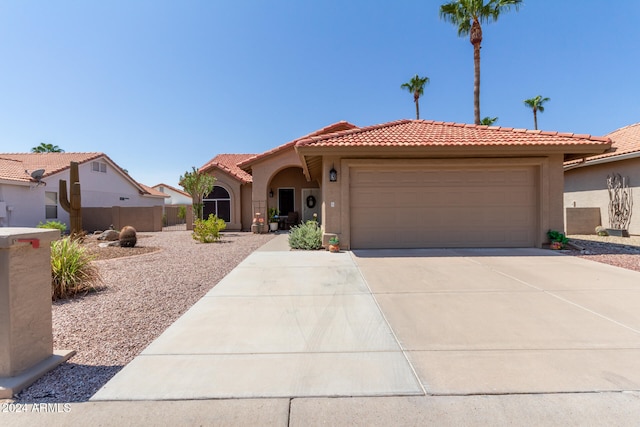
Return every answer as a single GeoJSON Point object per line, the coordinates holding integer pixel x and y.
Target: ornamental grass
{"type": "Point", "coordinates": [72, 270]}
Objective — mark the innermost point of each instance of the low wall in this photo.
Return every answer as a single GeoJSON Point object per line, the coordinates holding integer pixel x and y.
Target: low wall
{"type": "Point", "coordinates": [582, 220]}
{"type": "Point", "coordinates": [148, 218]}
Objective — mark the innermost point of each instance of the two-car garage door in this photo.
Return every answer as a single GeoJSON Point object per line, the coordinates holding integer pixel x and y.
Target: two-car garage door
{"type": "Point", "coordinates": [443, 207]}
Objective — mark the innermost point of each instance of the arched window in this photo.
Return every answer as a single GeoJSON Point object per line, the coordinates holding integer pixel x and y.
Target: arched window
{"type": "Point", "coordinates": [218, 202]}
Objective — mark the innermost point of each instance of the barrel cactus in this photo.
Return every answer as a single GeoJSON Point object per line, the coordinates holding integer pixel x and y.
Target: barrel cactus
{"type": "Point", "coordinates": [128, 237]}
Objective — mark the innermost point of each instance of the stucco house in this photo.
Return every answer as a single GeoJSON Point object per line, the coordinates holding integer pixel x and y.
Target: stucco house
{"type": "Point", "coordinates": [411, 183]}
{"type": "Point", "coordinates": [586, 196]}
{"type": "Point", "coordinates": [174, 195]}
{"type": "Point", "coordinates": [29, 188]}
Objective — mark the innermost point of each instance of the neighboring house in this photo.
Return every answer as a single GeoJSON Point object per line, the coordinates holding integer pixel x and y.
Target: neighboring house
{"type": "Point", "coordinates": [586, 197]}
{"type": "Point", "coordinates": [174, 196]}
{"type": "Point", "coordinates": [412, 183]}
{"type": "Point", "coordinates": [29, 187]}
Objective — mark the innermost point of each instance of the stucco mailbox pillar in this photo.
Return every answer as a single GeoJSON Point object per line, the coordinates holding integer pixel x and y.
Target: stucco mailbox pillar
{"type": "Point", "coordinates": [26, 334]}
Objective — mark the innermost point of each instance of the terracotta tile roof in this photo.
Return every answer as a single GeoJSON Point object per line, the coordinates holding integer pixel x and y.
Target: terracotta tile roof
{"type": "Point", "coordinates": [332, 128]}
{"type": "Point", "coordinates": [184, 193]}
{"type": "Point", "coordinates": [229, 164]}
{"type": "Point", "coordinates": [51, 162]}
{"type": "Point", "coordinates": [13, 170]}
{"type": "Point", "coordinates": [409, 133]}
{"type": "Point", "coordinates": [153, 192]}
{"type": "Point", "coordinates": [625, 140]}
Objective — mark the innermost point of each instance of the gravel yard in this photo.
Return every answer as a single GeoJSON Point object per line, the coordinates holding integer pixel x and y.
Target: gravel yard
{"type": "Point", "coordinates": [145, 293]}
{"type": "Point", "coordinates": [141, 297]}
{"type": "Point", "coordinates": [619, 251]}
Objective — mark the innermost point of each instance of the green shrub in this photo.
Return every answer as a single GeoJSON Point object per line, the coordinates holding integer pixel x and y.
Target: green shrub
{"type": "Point", "coordinates": [53, 224]}
{"type": "Point", "coordinates": [72, 270]}
{"type": "Point", "coordinates": [306, 236]}
{"type": "Point", "coordinates": [557, 236]}
{"type": "Point", "coordinates": [182, 212]}
{"type": "Point", "coordinates": [208, 230]}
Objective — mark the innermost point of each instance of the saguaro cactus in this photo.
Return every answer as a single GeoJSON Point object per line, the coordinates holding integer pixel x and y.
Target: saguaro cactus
{"type": "Point", "coordinates": [72, 203]}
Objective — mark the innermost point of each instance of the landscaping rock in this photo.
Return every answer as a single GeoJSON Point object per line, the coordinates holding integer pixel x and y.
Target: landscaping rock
{"type": "Point", "coordinates": [109, 235]}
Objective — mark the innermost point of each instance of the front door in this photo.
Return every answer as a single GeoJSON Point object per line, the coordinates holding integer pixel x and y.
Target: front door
{"type": "Point", "coordinates": [310, 203]}
{"type": "Point", "coordinates": [286, 200]}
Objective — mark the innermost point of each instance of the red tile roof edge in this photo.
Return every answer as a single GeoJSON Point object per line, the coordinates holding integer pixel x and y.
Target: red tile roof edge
{"type": "Point", "coordinates": [243, 176]}
{"type": "Point", "coordinates": [81, 159]}
{"type": "Point", "coordinates": [313, 139]}
{"type": "Point", "coordinates": [323, 131]}
{"type": "Point", "coordinates": [152, 191]}
{"type": "Point", "coordinates": [162, 184]}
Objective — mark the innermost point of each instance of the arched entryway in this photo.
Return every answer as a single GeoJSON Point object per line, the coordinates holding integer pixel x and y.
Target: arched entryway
{"type": "Point", "coordinates": [218, 202]}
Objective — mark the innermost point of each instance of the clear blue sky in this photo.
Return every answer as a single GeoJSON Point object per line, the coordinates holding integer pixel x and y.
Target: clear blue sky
{"type": "Point", "coordinates": [160, 86]}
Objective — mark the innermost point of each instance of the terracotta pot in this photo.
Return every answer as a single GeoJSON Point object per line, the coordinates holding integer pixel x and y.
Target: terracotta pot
{"type": "Point", "coordinates": [556, 245]}
{"type": "Point", "coordinates": [334, 248]}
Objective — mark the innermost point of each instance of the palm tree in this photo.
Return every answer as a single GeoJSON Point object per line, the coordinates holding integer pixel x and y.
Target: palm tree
{"type": "Point", "coordinates": [488, 121]}
{"type": "Point", "coordinates": [47, 148]}
{"type": "Point", "coordinates": [468, 15]}
{"type": "Point", "coordinates": [416, 87]}
{"type": "Point", "coordinates": [536, 104]}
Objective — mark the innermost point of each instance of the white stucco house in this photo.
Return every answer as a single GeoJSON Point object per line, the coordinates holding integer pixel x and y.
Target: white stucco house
{"type": "Point", "coordinates": [175, 196]}
{"type": "Point", "coordinates": [29, 186]}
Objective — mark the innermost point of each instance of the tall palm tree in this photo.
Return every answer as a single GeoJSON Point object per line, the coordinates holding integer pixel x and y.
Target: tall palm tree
{"type": "Point", "coordinates": [416, 87]}
{"type": "Point", "coordinates": [536, 104]}
{"type": "Point", "coordinates": [468, 15]}
{"type": "Point", "coordinates": [47, 148]}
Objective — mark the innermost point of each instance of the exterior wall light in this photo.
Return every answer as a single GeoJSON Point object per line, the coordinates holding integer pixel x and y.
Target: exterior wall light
{"type": "Point", "coordinates": [333, 174]}
{"type": "Point", "coordinates": [271, 193]}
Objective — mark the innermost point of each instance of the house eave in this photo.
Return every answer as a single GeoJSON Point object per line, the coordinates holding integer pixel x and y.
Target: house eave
{"type": "Point", "coordinates": [603, 160]}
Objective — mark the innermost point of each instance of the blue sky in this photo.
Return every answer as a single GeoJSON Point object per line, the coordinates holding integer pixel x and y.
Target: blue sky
{"type": "Point", "coordinates": [160, 86]}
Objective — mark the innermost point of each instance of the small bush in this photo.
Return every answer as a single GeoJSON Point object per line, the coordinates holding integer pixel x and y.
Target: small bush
{"type": "Point", "coordinates": [557, 236]}
{"type": "Point", "coordinates": [72, 271]}
{"type": "Point", "coordinates": [307, 236]}
{"type": "Point", "coordinates": [208, 230]}
{"type": "Point", "coordinates": [54, 225]}
{"type": "Point", "coordinates": [182, 212]}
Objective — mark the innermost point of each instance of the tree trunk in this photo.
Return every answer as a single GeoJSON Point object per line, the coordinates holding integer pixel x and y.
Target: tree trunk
{"type": "Point", "coordinates": [417, 110]}
{"type": "Point", "coordinates": [535, 119]}
{"type": "Point", "coordinates": [476, 40]}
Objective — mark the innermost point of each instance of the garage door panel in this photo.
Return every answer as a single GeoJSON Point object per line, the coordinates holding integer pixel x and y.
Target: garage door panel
{"type": "Point", "coordinates": [443, 208]}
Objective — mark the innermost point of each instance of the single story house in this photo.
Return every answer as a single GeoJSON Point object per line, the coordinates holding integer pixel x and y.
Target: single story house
{"type": "Point", "coordinates": [411, 183]}
{"type": "Point", "coordinates": [29, 191]}
{"type": "Point", "coordinates": [586, 195]}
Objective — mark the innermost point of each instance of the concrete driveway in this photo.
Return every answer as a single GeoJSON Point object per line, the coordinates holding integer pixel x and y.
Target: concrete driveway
{"type": "Point", "coordinates": [397, 323]}
{"type": "Point", "coordinates": [495, 321]}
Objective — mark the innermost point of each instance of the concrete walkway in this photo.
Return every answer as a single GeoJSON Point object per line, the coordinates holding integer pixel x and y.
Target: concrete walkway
{"type": "Point", "coordinates": [398, 337]}
{"type": "Point", "coordinates": [282, 324]}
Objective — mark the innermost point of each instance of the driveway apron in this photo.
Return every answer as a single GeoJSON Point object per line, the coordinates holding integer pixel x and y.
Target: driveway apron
{"type": "Point", "coordinates": [281, 324]}
{"type": "Point", "coordinates": [494, 321]}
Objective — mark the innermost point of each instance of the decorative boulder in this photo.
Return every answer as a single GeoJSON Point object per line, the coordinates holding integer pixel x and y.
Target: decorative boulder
{"type": "Point", "coordinates": [128, 237]}
{"type": "Point", "coordinates": [109, 235]}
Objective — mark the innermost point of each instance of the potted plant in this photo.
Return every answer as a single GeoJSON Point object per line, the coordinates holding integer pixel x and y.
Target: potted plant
{"type": "Point", "coordinates": [273, 219]}
{"type": "Point", "coordinates": [334, 244]}
{"type": "Point", "coordinates": [558, 239]}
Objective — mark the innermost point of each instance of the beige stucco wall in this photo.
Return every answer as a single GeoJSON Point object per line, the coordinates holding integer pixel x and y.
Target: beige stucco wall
{"type": "Point", "coordinates": [586, 187]}
{"type": "Point", "coordinates": [335, 204]}
{"type": "Point", "coordinates": [291, 177]}
{"type": "Point", "coordinates": [247, 215]}
{"type": "Point", "coordinates": [233, 187]}
{"type": "Point", "coordinates": [265, 173]}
